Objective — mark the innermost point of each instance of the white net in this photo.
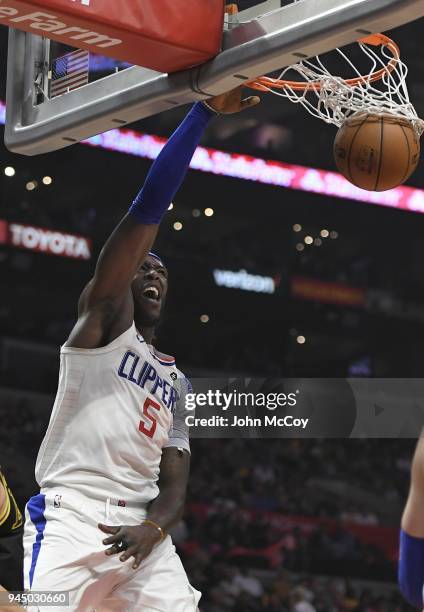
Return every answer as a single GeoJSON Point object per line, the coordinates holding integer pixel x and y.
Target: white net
{"type": "Point", "coordinates": [332, 99]}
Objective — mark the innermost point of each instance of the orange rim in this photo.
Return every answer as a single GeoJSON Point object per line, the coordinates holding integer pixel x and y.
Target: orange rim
{"type": "Point", "coordinates": [265, 83]}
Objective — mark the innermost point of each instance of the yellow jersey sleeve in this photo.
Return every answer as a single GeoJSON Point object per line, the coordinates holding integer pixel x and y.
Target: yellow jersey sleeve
{"type": "Point", "coordinates": [10, 516]}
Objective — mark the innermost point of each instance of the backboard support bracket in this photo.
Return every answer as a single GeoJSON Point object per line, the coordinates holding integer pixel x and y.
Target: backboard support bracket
{"type": "Point", "coordinates": [268, 42]}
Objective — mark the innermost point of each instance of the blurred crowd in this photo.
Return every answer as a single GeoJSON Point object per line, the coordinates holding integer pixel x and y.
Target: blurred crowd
{"type": "Point", "coordinates": [268, 541]}
{"type": "Point", "coordinates": [295, 477]}
{"type": "Point", "coordinates": [234, 588]}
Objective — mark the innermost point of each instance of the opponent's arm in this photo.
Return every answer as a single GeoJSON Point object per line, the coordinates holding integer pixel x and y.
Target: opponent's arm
{"type": "Point", "coordinates": [11, 557]}
{"type": "Point", "coordinates": [413, 514]}
{"type": "Point", "coordinates": [10, 515]}
{"type": "Point", "coordinates": [108, 293]}
{"type": "Point", "coordinates": [2, 499]}
{"type": "Point", "coordinates": [5, 596]}
{"type": "Point", "coordinates": [411, 558]}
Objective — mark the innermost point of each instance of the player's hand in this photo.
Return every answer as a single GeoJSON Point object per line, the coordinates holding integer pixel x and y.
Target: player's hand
{"type": "Point", "coordinates": [132, 541]}
{"type": "Point", "coordinates": [232, 101]}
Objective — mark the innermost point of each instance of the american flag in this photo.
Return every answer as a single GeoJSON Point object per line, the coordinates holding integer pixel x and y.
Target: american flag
{"type": "Point", "coordinates": [69, 72]}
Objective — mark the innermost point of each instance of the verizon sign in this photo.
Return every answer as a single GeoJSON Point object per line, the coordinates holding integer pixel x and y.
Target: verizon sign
{"type": "Point", "coordinates": [245, 281]}
{"type": "Point", "coordinates": [44, 240]}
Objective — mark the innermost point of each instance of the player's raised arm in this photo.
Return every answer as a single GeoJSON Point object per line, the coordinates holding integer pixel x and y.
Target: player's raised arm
{"type": "Point", "coordinates": [105, 307]}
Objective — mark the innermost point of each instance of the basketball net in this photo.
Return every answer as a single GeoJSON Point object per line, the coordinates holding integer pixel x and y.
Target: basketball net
{"type": "Point", "coordinates": [379, 90]}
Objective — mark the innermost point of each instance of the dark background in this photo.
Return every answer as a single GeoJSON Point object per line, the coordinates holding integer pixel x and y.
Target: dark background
{"type": "Point", "coordinates": [377, 249]}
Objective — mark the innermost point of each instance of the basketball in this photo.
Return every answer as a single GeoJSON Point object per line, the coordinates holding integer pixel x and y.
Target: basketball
{"type": "Point", "coordinates": [376, 152]}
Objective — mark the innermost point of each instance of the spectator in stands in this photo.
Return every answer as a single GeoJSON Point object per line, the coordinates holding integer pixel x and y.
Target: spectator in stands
{"type": "Point", "coordinates": [300, 600]}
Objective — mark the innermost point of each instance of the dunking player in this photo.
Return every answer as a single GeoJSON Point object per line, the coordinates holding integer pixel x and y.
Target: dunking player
{"type": "Point", "coordinates": [115, 456]}
{"type": "Point", "coordinates": [411, 559]}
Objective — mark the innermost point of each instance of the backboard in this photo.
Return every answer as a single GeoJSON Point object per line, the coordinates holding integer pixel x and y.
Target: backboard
{"type": "Point", "coordinates": [264, 37]}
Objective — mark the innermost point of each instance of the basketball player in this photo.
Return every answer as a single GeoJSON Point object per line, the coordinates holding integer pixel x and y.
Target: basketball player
{"type": "Point", "coordinates": [411, 558]}
{"type": "Point", "coordinates": [11, 529]}
{"type": "Point", "coordinates": [115, 458]}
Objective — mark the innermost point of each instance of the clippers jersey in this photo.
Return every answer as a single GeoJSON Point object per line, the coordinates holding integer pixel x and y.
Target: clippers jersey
{"type": "Point", "coordinates": [113, 414]}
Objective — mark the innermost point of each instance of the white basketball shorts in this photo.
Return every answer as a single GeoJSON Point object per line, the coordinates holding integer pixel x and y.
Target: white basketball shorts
{"type": "Point", "coordinates": [64, 552]}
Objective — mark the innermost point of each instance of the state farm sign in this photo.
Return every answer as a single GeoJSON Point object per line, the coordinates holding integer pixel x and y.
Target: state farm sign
{"type": "Point", "coordinates": [46, 241]}
{"type": "Point", "coordinates": [49, 24]}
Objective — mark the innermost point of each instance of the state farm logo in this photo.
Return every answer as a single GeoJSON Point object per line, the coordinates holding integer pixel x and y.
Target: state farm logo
{"type": "Point", "coordinates": [49, 241]}
{"type": "Point", "coordinates": [50, 25]}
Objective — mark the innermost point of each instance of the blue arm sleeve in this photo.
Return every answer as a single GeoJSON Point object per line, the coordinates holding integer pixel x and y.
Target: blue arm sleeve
{"type": "Point", "coordinates": [168, 171]}
{"type": "Point", "coordinates": [411, 568]}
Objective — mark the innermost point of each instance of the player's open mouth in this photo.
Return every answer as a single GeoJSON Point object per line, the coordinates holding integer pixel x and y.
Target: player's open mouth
{"type": "Point", "coordinates": [151, 293]}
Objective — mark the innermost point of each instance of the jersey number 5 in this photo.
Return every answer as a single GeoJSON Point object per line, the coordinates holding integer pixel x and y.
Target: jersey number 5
{"type": "Point", "coordinates": [149, 431]}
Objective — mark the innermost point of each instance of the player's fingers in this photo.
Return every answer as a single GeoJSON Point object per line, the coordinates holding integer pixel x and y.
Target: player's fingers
{"type": "Point", "coordinates": [113, 550]}
{"type": "Point", "coordinates": [131, 551]}
{"type": "Point", "coordinates": [250, 101]}
{"type": "Point", "coordinates": [138, 558]}
{"type": "Point", "coordinates": [108, 528]}
{"type": "Point", "coordinates": [116, 537]}
{"type": "Point", "coordinates": [112, 539]}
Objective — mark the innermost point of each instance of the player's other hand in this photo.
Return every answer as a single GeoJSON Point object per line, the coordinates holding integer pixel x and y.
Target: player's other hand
{"type": "Point", "coordinates": [132, 541]}
{"type": "Point", "coordinates": [232, 101]}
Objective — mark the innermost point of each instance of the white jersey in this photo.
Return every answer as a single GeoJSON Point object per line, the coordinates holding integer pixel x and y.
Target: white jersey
{"type": "Point", "coordinates": [116, 408]}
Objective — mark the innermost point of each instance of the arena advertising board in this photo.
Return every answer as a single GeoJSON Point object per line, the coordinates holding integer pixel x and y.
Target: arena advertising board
{"type": "Point", "coordinates": [43, 240]}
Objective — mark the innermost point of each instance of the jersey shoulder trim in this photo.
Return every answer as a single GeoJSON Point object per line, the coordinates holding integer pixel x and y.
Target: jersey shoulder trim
{"type": "Point", "coordinates": [128, 333]}
{"type": "Point", "coordinates": [163, 358]}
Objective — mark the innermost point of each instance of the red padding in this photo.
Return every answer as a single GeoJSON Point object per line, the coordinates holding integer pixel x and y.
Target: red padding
{"type": "Point", "coordinates": [164, 35]}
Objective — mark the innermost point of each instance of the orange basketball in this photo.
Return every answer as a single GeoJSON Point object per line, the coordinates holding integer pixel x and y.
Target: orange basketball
{"type": "Point", "coordinates": [376, 152]}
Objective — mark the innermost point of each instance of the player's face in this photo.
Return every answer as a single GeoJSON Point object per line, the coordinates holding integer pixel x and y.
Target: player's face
{"type": "Point", "coordinates": [149, 289]}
